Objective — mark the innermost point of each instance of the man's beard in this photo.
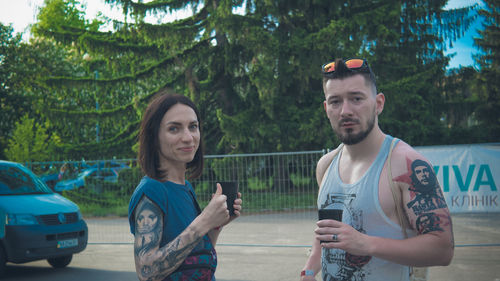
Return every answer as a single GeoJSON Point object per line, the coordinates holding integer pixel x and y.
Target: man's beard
{"type": "Point", "coordinates": [348, 137]}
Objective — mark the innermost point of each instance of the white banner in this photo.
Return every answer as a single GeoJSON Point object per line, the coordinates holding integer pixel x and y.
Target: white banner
{"type": "Point", "coordinates": [469, 175]}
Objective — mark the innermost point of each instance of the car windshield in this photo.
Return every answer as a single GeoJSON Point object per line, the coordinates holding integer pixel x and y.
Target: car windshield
{"type": "Point", "coordinates": [17, 180]}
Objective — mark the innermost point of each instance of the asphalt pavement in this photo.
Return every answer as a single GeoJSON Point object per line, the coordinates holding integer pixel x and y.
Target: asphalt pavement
{"type": "Point", "coordinates": [265, 247]}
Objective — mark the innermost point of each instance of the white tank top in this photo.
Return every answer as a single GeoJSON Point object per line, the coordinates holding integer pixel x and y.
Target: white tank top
{"type": "Point", "coordinates": [362, 210]}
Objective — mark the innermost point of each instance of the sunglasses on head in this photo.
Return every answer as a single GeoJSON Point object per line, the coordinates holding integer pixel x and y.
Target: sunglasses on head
{"type": "Point", "coordinates": [352, 64]}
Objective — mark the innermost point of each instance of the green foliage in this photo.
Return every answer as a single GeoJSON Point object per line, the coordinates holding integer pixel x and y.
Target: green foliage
{"type": "Point", "coordinates": [259, 184]}
{"type": "Point", "coordinates": [31, 142]}
{"type": "Point", "coordinates": [203, 188]}
{"type": "Point", "coordinates": [489, 61]}
{"type": "Point", "coordinates": [255, 76]}
{"type": "Point", "coordinates": [301, 182]}
{"type": "Point", "coordinates": [11, 102]}
{"type": "Point", "coordinates": [92, 201]}
{"type": "Point", "coordinates": [63, 17]}
{"type": "Point", "coordinates": [128, 179]}
{"type": "Point", "coordinates": [58, 13]}
{"type": "Point", "coordinates": [226, 169]}
{"type": "Point", "coordinates": [413, 104]}
{"type": "Point", "coordinates": [462, 99]}
{"type": "Point", "coordinates": [22, 67]}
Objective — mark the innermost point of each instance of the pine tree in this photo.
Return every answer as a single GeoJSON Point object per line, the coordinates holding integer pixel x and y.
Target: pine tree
{"type": "Point", "coordinates": [255, 75]}
{"type": "Point", "coordinates": [411, 66]}
{"type": "Point", "coordinates": [489, 62]}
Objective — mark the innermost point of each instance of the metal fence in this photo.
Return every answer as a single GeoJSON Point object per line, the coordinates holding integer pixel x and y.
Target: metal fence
{"type": "Point", "coordinates": [269, 182]}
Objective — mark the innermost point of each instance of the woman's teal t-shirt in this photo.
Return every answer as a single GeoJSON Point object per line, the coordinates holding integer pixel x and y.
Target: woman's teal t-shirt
{"type": "Point", "coordinates": [179, 206]}
{"type": "Point", "coordinates": [175, 200]}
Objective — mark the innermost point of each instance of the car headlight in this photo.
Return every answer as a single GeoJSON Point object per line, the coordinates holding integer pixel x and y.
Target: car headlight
{"type": "Point", "coordinates": [80, 217]}
{"type": "Point", "coordinates": [21, 219]}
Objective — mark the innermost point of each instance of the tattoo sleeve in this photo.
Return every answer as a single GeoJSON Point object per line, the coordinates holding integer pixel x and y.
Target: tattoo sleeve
{"type": "Point", "coordinates": [153, 262]}
{"type": "Point", "coordinates": [426, 205]}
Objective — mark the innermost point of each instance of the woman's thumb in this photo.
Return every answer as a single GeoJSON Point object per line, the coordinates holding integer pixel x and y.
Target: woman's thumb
{"type": "Point", "coordinates": [219, 189]}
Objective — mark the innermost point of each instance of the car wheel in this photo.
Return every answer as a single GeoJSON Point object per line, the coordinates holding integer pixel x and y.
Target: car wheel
{"type": "Point", "coordinates": [3, 261]}
{"type": "Point", "coordinates": [60, 262]}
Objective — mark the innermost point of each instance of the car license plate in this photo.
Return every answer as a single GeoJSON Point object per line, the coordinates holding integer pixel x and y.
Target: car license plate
{"type": "Point", "coordinates": [67, 243]}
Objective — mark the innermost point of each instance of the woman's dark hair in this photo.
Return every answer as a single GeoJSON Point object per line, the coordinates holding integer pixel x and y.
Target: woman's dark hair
{"type": "Point", "coordinates": [149, 147]}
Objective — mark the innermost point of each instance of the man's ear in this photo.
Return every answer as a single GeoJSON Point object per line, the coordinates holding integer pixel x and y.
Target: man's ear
{"type": "Point", "coordinates": [380, 100]}
{"type": "Point", "coordinates": [324, 105]}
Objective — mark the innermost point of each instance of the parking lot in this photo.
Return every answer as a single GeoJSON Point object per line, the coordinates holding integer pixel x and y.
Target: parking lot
{"type": "Point", "coordinates": [263, 247]}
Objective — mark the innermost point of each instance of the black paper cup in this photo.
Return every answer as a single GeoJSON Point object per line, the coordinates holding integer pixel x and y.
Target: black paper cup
{"type": "Point", "coordinates": [230, 189]}
{"type": "Point", "coordinates": [329, 214]}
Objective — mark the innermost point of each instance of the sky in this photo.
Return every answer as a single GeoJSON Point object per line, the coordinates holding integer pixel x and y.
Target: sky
{"type": "Point", "coordinates": [22, 13]}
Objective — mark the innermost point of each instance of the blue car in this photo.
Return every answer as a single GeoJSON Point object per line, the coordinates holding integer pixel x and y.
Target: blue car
{"type": "Point", "coordinates": [110, 164]}
{"type": "Point", "coordinates": [104, 174]}
{"type": "Point", "coordinates": [35, 222]}
{"type": "Point", "coordinates": [50, 179]}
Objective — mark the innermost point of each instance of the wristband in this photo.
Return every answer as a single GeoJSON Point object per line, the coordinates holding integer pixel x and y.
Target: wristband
{"type": "Point", "coordinates": [307, 273]}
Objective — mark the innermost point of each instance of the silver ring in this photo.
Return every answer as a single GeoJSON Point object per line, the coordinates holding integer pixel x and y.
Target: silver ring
{"type": "Point", "coordinates": [335, 238]}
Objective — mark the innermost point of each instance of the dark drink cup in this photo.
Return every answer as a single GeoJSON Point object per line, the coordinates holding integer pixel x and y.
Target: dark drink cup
{"type": "Point", "coordinates": [230, 189]}
{"type": "Point", "coordinates": [330, 214]}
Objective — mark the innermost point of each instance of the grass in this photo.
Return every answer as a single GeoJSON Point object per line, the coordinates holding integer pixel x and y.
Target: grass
{"type": "Point", "coordinates": [93, 210]}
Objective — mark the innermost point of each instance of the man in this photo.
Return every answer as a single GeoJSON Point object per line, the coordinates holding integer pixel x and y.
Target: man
{"type": "Point", "coordinates": [368, 244]}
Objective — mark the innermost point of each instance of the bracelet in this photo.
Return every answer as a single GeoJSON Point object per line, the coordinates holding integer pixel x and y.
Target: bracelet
{"type": "Point", "coordinates": [307, 272]}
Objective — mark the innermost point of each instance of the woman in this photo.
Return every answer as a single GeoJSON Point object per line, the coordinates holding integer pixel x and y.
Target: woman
{"type": "Point", "coordinates": [174, 239]}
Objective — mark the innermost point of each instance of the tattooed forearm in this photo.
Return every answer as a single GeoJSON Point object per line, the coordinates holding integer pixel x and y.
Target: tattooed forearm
{"type": "Point", "coordinates": [169, 257]}
{"type": "Point", "coordinates": [153, 262]}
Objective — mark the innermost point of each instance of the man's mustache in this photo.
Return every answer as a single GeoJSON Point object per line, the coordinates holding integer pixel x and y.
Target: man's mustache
{"type": "Point", "coordinates": [348, 120]}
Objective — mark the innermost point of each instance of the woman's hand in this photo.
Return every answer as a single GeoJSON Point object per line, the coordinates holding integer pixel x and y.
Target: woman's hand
{"type": "Point", "coordinates": [214, 233]}
{"type": "Point", "coordinates": [237, 208]}
{"type": "Point", "coordinates": [216, 213]}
